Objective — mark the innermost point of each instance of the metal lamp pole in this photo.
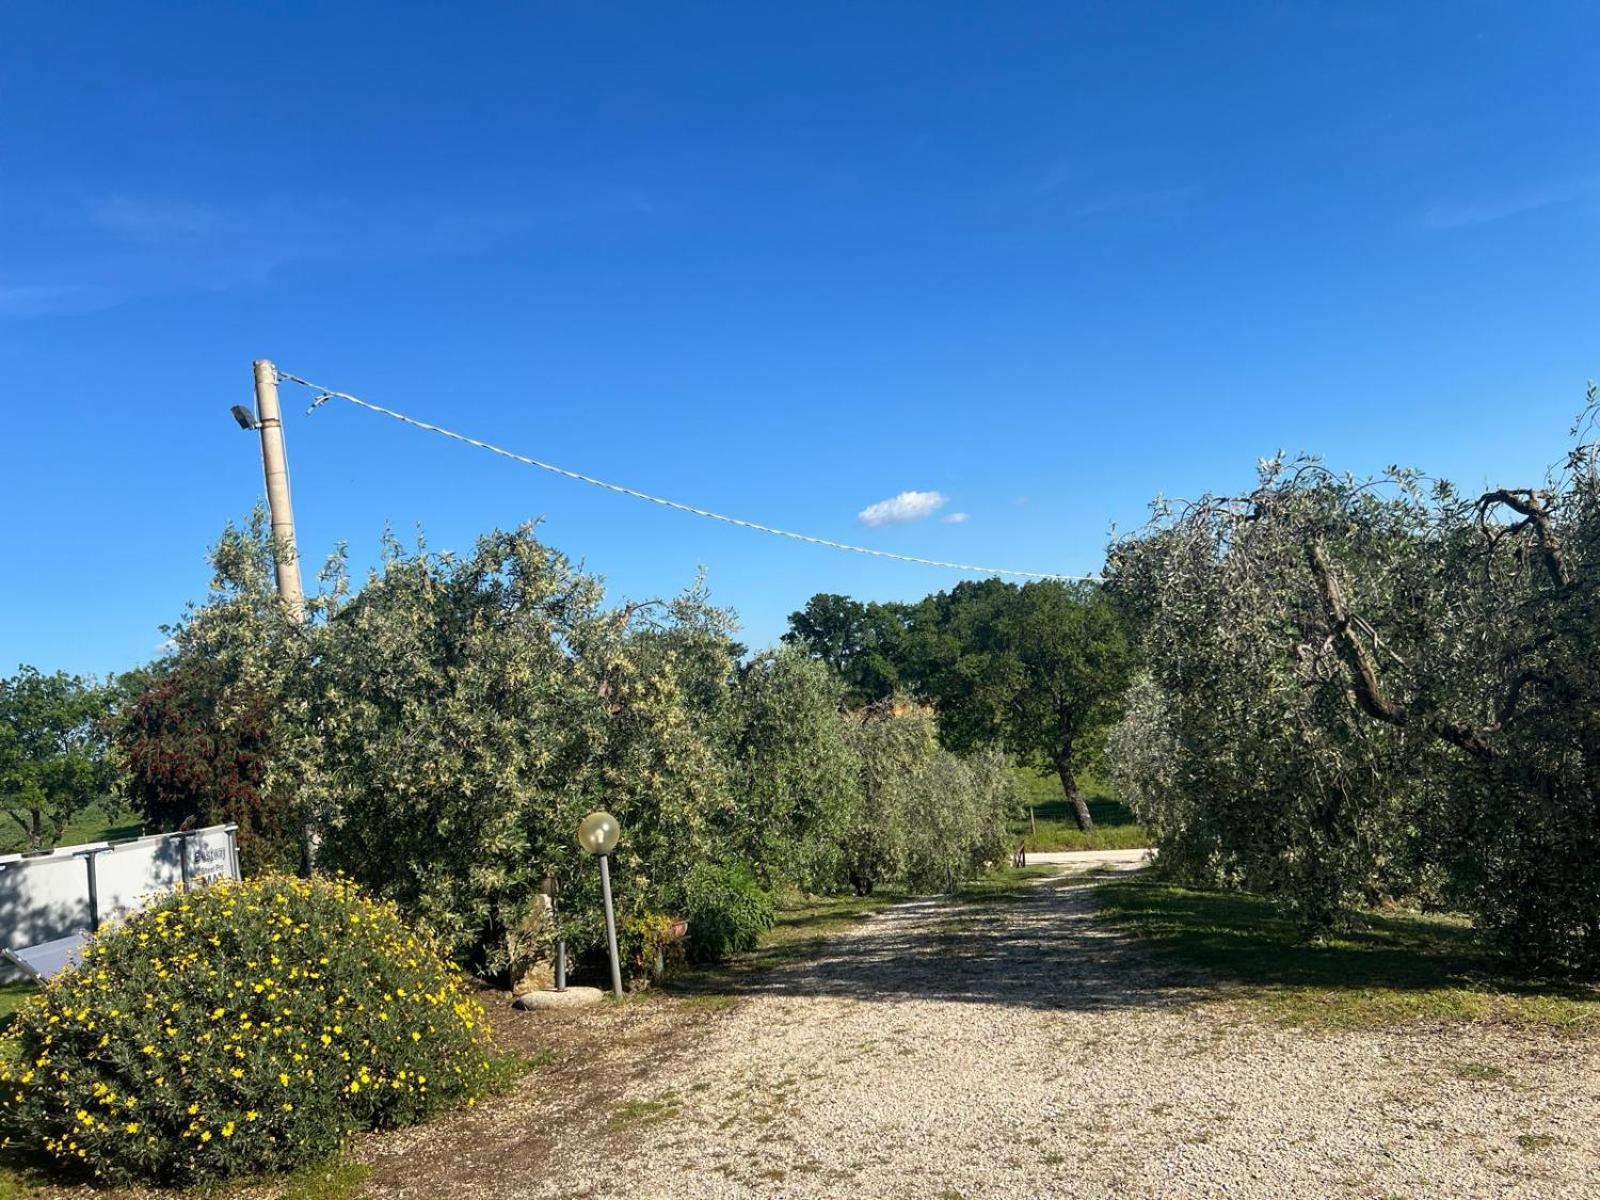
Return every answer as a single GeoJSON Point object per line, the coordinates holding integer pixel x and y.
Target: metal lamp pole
{"type": "Point", "coordinates": [611, 925]}
{"type": "Point", "coordinates": [597, 835]}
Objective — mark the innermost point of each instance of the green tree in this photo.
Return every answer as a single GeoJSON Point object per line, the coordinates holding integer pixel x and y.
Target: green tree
{"type": "Point", "coordinates": [1038, 669]}
{"type": "Point", "coordinates": [52, 751]}
{"type": "Point", "coordinates": [925, 816]}
{"type": "Point", "coordinates": [207, 739]}
{"type": "Point", "coordinates": [863, 643]}
{"type": "Point", "coordinates": [1361, 688]}
{"type": "Point", "coordinates": [462, 714]}
{"type": "Point", "coordinates": [794, 772]}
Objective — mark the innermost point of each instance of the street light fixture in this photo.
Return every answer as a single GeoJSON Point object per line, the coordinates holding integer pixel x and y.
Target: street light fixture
{"type": "Point", "coordinates": [597, 835]}
{"type": "Point", "coordinates": [242, 415]}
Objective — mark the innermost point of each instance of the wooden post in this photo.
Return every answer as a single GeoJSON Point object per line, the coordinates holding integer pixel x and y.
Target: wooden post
{"type": "Point", "coordinates": [285, 553]}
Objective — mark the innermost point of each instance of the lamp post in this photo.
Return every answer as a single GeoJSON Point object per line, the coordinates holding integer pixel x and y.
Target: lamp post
{"type": "Point", "coordinates": [597, 835]}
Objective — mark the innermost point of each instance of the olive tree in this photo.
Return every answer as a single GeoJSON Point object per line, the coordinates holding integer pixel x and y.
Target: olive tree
{"type": "Point", "coordinates": [1370, 687]}
{"type": "Point", "coordinates": [466, 711]}
{"type": "Point", "coordinates": [926, 817]}
{"type": "Point", "coordinates": [794, 773]}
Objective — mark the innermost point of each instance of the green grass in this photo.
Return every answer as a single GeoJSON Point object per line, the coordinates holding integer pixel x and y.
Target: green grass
{"type": "Point", "coordinates": [1008, 883]}
{"type": "Point", "coordinates": [508, 1070]}
{"type": "Point", "coordinates": [805, 922]}
{"type": "Point", "coordinates": [338, 1180]}
{"type": "Point", "coordinates": [1478, 1072]}
{"type": "Point", "coordinates": [91, 825]}
{"type": "Point", "coordinates": [634, 1113]}
{"type": "Point", "coordinates": [1056, 828]}
{"type": "Point", "coordinates": [1387, 968]}
{"type": "Point", "coordinates": [11, 997]}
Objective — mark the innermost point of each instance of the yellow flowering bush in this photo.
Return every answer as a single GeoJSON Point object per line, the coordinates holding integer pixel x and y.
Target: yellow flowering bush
{"type": "Point", "coordinates": [238, 1028]}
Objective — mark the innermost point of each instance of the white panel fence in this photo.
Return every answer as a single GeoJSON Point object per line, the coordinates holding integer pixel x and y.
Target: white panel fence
{"type": "Point", "coordinates": [50, 902]}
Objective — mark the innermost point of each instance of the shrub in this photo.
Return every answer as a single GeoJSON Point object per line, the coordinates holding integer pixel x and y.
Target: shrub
{"type": "Point", "coordinates": [239, 1028]}
{"type": "Point", "coordinates": [955, 819]}
{"type": "Point", "coordinates": [794, 772]}
{"type": "Point", "coordinates": [928, 818]}
{"type": "Point", "coordinates": [727, 911]}
{"type": "Point", "coordinates": [645, 941]}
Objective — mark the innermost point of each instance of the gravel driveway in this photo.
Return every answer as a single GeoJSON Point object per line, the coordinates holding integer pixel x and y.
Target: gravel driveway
{"type": "Point", "coordinates": [1021, 1049]}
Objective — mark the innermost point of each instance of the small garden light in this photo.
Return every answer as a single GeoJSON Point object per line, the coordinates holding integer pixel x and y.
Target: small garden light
{"type": "Point", "coordinates": [597, 835]}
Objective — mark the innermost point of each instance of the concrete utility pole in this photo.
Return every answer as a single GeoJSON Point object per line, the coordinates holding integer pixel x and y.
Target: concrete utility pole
{"type": "Point", "coordinates": [275, 466]}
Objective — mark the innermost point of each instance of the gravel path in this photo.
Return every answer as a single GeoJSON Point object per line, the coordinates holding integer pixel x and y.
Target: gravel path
{"type": "Point", "coordinates": [1021, 1049]}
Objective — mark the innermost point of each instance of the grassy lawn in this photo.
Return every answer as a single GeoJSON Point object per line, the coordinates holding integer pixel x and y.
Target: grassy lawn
{"type": "Point", "coordinates": [340, 1179]}
{"type": "Point", "coordinates": [1055, 828]}
{"type": "Point", "coordinates": [11, 996]}
{"type": "Point", "coordinates": [1387, 968]}
{"type": "Point", "coordinates": [92, 825]}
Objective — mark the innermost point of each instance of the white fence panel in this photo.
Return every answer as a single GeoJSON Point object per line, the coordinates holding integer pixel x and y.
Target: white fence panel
{"type": "Point", "coordinates": [75, 889]}
{"type": "Point", "coordinates": [44, 898]}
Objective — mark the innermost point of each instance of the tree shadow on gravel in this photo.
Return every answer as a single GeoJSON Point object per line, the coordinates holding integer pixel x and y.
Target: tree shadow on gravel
{"type": "Point", "coordinates": [1041, 947]}
{"type": "Point", "coordinates": [1132, 942]}
{"type": "Point", "coordinates": [1391, 964]}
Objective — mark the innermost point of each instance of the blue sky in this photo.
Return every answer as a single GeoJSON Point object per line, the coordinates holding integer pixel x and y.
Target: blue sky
{"type": "Point", "coordinates": [1047, 260]}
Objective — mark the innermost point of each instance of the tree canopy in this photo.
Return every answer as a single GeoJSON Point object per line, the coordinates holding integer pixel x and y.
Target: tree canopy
{"type": "Point", "coordinates": [1368, 688]}
{"type": "Point", "coordinates": [204, 739]}
{"type": "Point", "coordinates": [1037, 669]}
{"type": "Point", "coordinates": [865, 644]}
{"type": "Point", "coordinates": [52, 751]}
{"type": "Point", "coordinates": [437, 733]}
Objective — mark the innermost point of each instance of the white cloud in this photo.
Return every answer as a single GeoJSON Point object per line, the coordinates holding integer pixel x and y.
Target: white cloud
{"type": "Point", "coordinates": [122, 247]}
{"type": "Point", "coordinates": [907, 506]}
{"type": "Point", "coordinates": [956, 518]}
{"type": "Point", "coordinates": [1497, 206]}
{"type": "Point", "coordinates": [149, 219]}
{"type": "Point", "coordinates": [49, 299]}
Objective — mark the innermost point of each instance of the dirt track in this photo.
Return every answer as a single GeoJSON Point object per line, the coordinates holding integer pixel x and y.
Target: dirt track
{"type": "Point", "coordinates": [1012, 1049]}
